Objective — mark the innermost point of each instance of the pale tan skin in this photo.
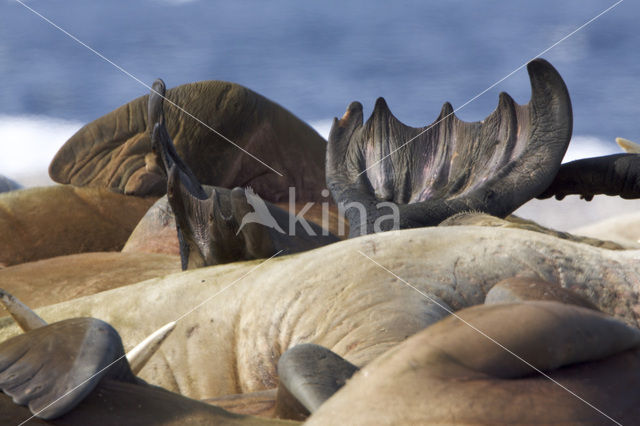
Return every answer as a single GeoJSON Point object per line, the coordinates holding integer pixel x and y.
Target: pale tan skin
{"type": "Point", "coordinates": [335, 297]}
{"type": "Point", "coordinates": [447, 373]}
{"type": "Point", "coordinates": [58, 279]}
{"type": "Point", "coordinates": [483, 219]}
{"type": "Point", "coordinates": [39, 223]}
{"type": "Point", "coordinates": [519, 289]}
{"type": "Point", "coordinates": [622, 228]}
{"type": "Point", "coordinates": [451, 374]}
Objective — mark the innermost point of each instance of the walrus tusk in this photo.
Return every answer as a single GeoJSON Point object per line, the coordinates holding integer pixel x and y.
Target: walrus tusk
{"type": "Point", "coordinates": [140, 355]}
{"type": "Point", "coordinates": [628, 146]}
{"type": "Point", "coordinates": [26, 318]}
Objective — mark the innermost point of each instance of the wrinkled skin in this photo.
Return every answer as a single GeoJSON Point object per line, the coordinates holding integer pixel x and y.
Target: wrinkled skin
{"type": "Point", "coordinates": [335, 297]}
{"type": "Point", "coordinates": [39, 223]}
{"type": "Point", "coordinates": [493, 166]}
{"type": "Point", "coordinates": [451, 374]}
{"type": "Point", "coordinates": [115, 152]}
{"type": "Point", "coordinates": [448, 373]}
{"type": "Point", "coordinates": [61, 356]}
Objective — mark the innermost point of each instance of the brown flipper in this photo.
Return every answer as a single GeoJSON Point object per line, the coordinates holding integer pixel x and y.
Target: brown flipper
{"type": "Point", "coordinates": [257, 239]}
{"type": "Point", "coordinates": [617, 174]}
{"type": "Point", "coordinates": [431, 173]}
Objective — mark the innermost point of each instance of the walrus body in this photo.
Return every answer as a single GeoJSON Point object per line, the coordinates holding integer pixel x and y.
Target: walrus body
{"type": "Point", "coordinates": [336, 297]}
{"type": "Point", "coordinates": [477, 368]}
{"type": "Point", "coordinates": [38, 223]}
{"type": "Point", "coordinates": [449, 373]}
{"type": "Point", "coordinates": [58, 279]}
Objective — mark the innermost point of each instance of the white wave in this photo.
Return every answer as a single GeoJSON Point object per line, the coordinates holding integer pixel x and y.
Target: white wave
{"type": "Point", "coordinates": [28, 143]}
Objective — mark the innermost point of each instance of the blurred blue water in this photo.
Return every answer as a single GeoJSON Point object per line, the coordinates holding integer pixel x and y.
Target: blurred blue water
{"type": "Point", "coordinates": [316, 57]}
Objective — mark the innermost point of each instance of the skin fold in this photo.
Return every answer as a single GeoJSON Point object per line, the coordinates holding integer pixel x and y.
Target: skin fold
{"type": "Point", "coordinates": [115, 151]}
{"type": "Point", "coordinates": [451, 374]}
{"type": "Point", "coordinates": [354, 308]}
{"type": "Point", "coordinates": [447, 373]}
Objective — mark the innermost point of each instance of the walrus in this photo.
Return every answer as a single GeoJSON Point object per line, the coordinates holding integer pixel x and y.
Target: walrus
{"type": "Point", "coordinates": [391, 176]}
{"type": "Point", "coordinates": [449, 372]}
{"type": "Point", "coordinates": [74, 372]}
{"type": "Point", "coordinates": [254, 142]}
{"type": "Point", "coordinates": [337, 297]}
{"type": "Point", "coordinates": [44, 222]}
{"type": "Point", "coordinates": [519, 289]}
{"type": "Point", "coordinates": [616, 174]}
{"type": "Point", "coordinates": [512, 221]}
{"type": "Point", "coordinates": [221, 225]}
{"type": "Point", "coordinates": [58, 279]}
{"type": "Point", "coordinates": [622, 228]}
{"type": "Point", "coordinates": [156, 232]}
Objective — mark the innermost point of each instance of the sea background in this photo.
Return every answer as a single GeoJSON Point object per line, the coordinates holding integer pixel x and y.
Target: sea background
{"type": "Point", "coordinates": [314, 58]}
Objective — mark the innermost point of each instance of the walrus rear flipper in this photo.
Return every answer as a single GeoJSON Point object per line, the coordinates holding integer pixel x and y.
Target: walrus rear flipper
{"type": "Point", "coordinates": [221, 225]}
{"type": "Point", "coordinates": [52, 368]}
{"type": "Point", "coordinates": [308, 375]}
{"type": "Point", "coordinates": [430, 173]}
{"type": "Point", "coordinates": [190, 203]}
{"type": "Point", "coordinates": [617, 174]}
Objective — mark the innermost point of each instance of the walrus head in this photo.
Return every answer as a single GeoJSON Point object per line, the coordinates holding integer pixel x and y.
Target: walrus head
{"type": "Point", "coordinates": [431, 173]}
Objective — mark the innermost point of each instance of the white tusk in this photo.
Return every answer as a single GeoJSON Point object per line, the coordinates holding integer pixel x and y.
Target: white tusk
{"type": "Point", "coordinates": [628, 146]}
{"type": "Point", "coordinates": [21, 313]}
{"type": "Point", "coordinates": [139, 355]}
